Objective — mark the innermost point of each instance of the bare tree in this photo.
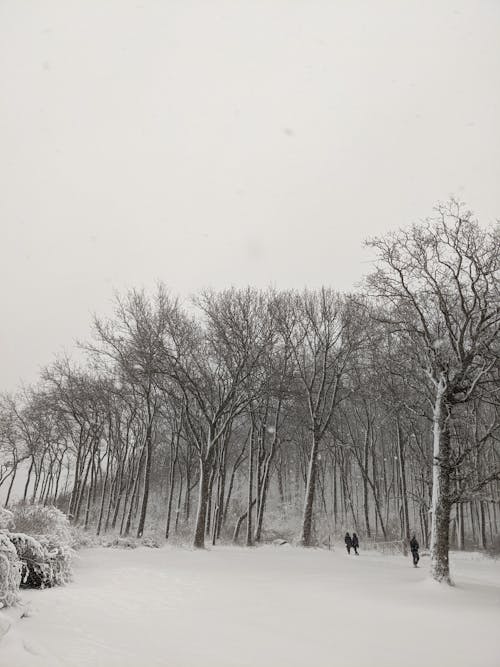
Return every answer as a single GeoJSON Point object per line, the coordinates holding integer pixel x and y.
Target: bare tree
{"type": "Point", "coordinates": [134, 342]}
{"type": "Point", "coordinates": [440, 280]}
{"type": "Point", "coordinates": [212, 364]}
{"type": "Point", "coordinates": [321, 331]}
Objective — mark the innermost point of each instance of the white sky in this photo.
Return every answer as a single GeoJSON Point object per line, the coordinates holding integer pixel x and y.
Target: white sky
{"type": "Point", "coordinates": [216, 143]}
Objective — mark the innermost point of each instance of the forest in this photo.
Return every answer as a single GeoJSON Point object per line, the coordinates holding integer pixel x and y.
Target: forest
{"type": "Point", "coordinates": [252, 415]}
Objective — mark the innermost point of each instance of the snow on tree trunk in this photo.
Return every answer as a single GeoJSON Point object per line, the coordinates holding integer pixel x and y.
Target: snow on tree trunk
{"type": "Point", "coordinates": [441, 506]}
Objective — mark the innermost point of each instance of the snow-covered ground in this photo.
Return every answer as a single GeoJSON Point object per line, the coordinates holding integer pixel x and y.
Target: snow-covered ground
{"type": "Point", "coordinates": [269, 606]}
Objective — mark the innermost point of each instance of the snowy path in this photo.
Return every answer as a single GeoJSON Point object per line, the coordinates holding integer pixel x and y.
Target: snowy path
{"type": "Point", "coordinates": [271, 606]}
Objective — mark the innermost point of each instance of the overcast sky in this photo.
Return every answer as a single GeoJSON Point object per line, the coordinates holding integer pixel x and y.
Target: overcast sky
{"type": "Point", "coordinates": [216, 143]}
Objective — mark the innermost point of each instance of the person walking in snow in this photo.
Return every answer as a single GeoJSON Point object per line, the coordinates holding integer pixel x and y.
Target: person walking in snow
{"type": "Point", "coordinates": [414, 546]}
{"type": "Point", "coordinates": [355, 543]}
{"type": "Point", "coordinates": [348, 542]}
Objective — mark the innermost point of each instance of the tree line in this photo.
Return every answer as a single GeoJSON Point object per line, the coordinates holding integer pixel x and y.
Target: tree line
{"type": "Point", "coordinates": [244, 411]}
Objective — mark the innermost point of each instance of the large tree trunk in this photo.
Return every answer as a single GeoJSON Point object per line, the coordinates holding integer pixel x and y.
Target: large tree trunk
{"type": "Point", "coordinates": [441, 505]}
{"type": "Point", "coordinates": [306, 535]}
{"type": "Point", "coordinates": [201, 516]}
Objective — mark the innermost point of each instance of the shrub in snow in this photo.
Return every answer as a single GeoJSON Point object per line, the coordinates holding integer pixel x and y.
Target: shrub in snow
{"type": "Point", "coordinates": [150, 542]}
{"type": "Point", "coordinates": [60, 556]}
{"type": "Point", "coordinates": [122, 543]}
{"type": "Point", "coordinates": [80, 539]}
{"type": "Point", "coordinates": [6, 519]}
{"type": "Point", "coordinates": [42, 520]}
{"type": "Point", "coordinates": [10, 572]}
{"type": "Point", "coordinates": [45, 561]}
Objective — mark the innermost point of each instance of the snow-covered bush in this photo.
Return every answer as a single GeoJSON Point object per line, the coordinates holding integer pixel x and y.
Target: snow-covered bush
{"type": "Point", "coordinates": [6, 519]}
{"type": "Point", "coordinates": [45, 561]}
{"type": "Point", "coordinates": [122, 543]}
{"type": "Point", "coordinates": [10, 572]}
{"type": "Point", "coordinates": [150, 542]}
{"type": "Point", "coordinates": [59, 558]}
{"type": "Point", "coordinates": [81, 539]}
{"type": "Point", "coordinates": [31, 554]}
{"type": "Point", "coordinates": [42, 520]}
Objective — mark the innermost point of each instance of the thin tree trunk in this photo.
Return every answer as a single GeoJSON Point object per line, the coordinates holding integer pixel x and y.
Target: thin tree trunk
{"type": "Point", "coordinates": [147, 474]}
{"type": "Point", "coordinates": [173, 464]}
{"type": "Point", "coordinates": [27, 481]}
{"type": "Point", "coordinates": [365, 483]}
{"type": "Point", "coordinates": [104, 488]}
{"type": "Point", "coordinates": [179, 501]}
{"type": "Point", "coordinates": [14, 472]}
{"type": "Point", "coordinates": [249, 538]}
{"type": "Point", "coordinates": [239, 522]}
{"type": "Point", "coordinates": [404, 493]}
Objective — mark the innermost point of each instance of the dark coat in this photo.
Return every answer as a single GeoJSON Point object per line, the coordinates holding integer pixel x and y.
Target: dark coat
{"type": "Point", "coordinates": [355, 541]}
{"type": "Point", "coordinates": [348, 540]}
{"type": "Point", "coordinates": [414, 546]}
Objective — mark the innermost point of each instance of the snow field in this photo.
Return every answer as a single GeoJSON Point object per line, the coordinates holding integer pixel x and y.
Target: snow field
{"type": "Point", "coordinates": [268, 606]}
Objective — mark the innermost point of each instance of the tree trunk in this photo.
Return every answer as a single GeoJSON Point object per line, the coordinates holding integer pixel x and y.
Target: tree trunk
{"type": "Point", "coordinates": [482, 523]}
{"type": "Point", "coordinates": [404, 493]}
{"type": "Point", "coordinates": [236, 465]}
{"type": "Point", "coordinates": [14, 472]}
{"type": "Point", "coordinates": [131, 492]}
{"type": "Point", "coordinates": [173, 463]}
{"type": "Point", "coordinates": [81, 491]}
{"type": "Point", "coordinates": [365, 484]}
{"type": "Point", "coordinates": [27, 482]}
{"type": "Point", "coordinates": [179, 501]}
{"type": "Point", "coordinates": [263, 495]}
{"type": "Point", "coordinates": [104, 489]}
{"type": "Point", "coordinates": [201, 516]}
{"type": "Point", "coordinates": [460, 526]}
{"type": "Point", "coordinates": [440, 527]}
{"type": "Point", "coordinates": [249, 539]}
{"type": "Point", "coordinates": [208, 513]}
{"type": "Point", "coordinates": [239, 522]}
{"type": "Point", "coordinates": [306, 535]}
{"type": "Point", "coordinates": [147, 476]}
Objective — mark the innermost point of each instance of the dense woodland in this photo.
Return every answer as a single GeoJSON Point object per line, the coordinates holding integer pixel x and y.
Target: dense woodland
{"type": "Point", "coordinates": [252, 415]}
